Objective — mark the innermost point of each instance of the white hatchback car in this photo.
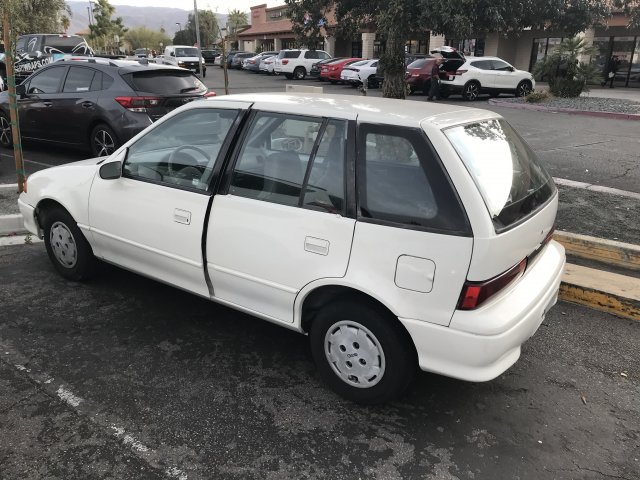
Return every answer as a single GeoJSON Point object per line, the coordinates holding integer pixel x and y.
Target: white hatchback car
{"type": "Point", "coordinates": [475, 75]}
{"type": "Point", "coordinates": [396, 234]}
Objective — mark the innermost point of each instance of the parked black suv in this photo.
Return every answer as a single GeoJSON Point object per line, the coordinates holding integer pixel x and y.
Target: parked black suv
{"type": "Point", "coordinates": [97, 103]}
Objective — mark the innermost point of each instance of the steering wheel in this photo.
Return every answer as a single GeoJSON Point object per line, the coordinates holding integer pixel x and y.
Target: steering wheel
{"type": "Point", "coordinates": [292, 144]}
{"type": "Point", "coordinates": [172, 157]}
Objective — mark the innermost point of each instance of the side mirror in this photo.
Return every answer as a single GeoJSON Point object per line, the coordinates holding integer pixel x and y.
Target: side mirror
{"type": "Point", "coordinates": [511, 69]}
{"type": "Point", "coordinates": [173, 54]}
{"type": "Point", "coordinates": [111, 171]}
{"type": "Point", "coordinates": [21, 90]}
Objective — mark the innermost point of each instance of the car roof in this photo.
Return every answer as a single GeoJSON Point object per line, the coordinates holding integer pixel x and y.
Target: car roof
{"type": "Point", "coordinates": [370, 109]}
{"type": "Point", "coordinates": [125, 66]}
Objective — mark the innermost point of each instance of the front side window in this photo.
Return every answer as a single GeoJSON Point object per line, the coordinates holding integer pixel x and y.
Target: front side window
{"type": "Point", "coordinates": [512, 182]}
{"type": "Point", "coordinates": [183, 150]}
{"type": "Point", "coordinates": [500, 65]}
{"type": "Point", "coordinates": [482, 64]}
{"type": "Point", "coordinates": [47, 81]}
{"type": "Point", "coordinates": [401, 182]}
{"type": "Point", "coordinates": [293, 160]}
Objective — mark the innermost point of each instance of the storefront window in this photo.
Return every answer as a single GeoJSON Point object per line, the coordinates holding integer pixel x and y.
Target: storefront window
{"type": "Point", "coordinates": [625, 52]}
{"type": "Point", "coordinates": [356, 49]}
{"type": "Point", "coordinates": [622, 51]}
{"type": "Point", "coordinates": [634, 71]}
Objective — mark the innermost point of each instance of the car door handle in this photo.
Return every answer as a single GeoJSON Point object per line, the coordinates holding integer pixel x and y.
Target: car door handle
{"type": "Point", "coordinates": [316, 245]}
{"type": "Point", "coordinates": [87, 104]}
{"type": "Point", "coordinates": [182, 216]}
{"type": "Point", "coordinates": [47, 104]}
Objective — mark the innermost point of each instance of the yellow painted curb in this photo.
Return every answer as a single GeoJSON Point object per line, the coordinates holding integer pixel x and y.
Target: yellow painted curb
{"type": "Point", "coordinates": [609, 252]}
{"type": "Point", "coordinates": [605, 291]}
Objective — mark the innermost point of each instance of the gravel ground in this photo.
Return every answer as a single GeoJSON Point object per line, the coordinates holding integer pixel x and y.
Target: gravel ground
{"type": "Point", "coordinates": [590, 104]}
{"type": "Point", "coordinates": [9, 201]}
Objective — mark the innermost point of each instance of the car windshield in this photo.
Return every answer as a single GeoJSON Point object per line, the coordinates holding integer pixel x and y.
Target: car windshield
{"type": "Point", "coordinates": [512, 182]}
{"type": "Point", "coordinates": [187, 52]}
{"type": "Point", "coordinates": [418, 63]}
{"type": "Point", "coordinates": [166, 82]}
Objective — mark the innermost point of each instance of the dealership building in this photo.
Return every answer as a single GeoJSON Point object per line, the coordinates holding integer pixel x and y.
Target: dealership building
{"type": "Point", "coordinates": [271, 29]}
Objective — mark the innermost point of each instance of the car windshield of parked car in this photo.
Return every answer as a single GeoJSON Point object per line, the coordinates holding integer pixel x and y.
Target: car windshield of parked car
{"type": "Point", "coordinates": [419, 63]}
{"type": "Point", "coordinates": [512, 182]}
{"type": "Point", "coordinates": [165, 82]}
{"type": "Point", "coordinates": [62, 43]}
{"type": "Point", "coordinates": [187, 52]}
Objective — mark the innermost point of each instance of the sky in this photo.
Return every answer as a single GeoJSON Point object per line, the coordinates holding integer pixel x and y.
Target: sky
{"type": "Point", "coordinates": [222, 6]}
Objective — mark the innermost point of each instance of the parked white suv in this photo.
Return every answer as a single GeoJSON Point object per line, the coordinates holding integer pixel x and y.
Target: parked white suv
{"type": "Point", "coordinates": [395, 234]}
{"type": "Point", "coordinates": [297, 63]}
{"type": "Point", "coordinates": [490, 75]}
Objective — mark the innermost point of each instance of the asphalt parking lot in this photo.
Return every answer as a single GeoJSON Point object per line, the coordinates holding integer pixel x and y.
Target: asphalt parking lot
{"type": "Point", "coordinates": [126, 378]}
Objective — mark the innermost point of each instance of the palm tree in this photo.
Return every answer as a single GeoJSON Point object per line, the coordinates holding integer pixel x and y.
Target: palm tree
{"type": "Point", "coordinates": [65, 22]}
{"type": "Point", "coordinates": [236, 19]}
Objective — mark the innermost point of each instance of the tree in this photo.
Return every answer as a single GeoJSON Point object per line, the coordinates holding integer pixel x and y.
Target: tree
{"type": "Point", "coordinates": [29, 16]}
{"type": "Point", "coordinates": [65, 22]}
{"type": "Point", "coordinates": [142, 37]}
{"type": "Point", "coordinates": [209, 30]}
{"type": "Point", "coordinates": [106, 34]}
{"type": "Point", "coordinates": [394, 21]}
{"type": "Point", "coordinates": [567, 76]}
{"type": "Point", "coordinates": [236, 20]}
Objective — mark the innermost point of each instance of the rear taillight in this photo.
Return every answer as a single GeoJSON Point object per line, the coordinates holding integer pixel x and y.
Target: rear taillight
{"type": "Point", "coordinates": [475, 294]}
{"type": "Point", "coordinates": [284, 62]}
{"type": "Point", "coordinates": [138, 104]}
{"type": "Point", "coordinates": [460, 72]}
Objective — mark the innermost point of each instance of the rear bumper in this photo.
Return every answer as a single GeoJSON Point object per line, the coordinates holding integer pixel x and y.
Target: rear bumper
{"type": "Point", "coordinates": [508, 321]}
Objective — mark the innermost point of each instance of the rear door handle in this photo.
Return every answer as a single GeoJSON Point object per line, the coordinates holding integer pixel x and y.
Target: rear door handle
{"type": "Point", "coordinates": [87, 104]}
{"type": "Point", "coordinates": [182, 216]}
{"type": "Point", "coordinates": [47, 104]}
{"type": "Point", "coordinates": [316, 245]}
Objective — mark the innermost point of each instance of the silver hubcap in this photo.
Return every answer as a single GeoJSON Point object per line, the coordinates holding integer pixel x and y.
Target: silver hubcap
{"type": "Point", "coordinates": [355, 354]}
{"type": "Point", "coordinates": [63, 245]}
{"type": "Point", "coordinates": [524, 89]}
{"type": "Point", "coordinates": [5, 131]}
{"type": "Point", "coordinates": [105, 145]}
{"type": "Point", "coordinates": [472, 91]}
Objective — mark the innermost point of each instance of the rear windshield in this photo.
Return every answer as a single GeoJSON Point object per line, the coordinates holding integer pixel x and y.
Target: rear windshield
{"type": "Point", "coordinates": [187, 52]}
{"type": "Point", "coordinates": [419, 63]}
{"type": "Point", "coordinates": [512, 182]}
{"type": "Point", "coordinates": [165, 82]}
{"type": "Point", "coordinates": [63, 44]}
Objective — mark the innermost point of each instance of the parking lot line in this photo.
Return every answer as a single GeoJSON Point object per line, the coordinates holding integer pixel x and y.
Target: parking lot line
{"type": "Point", "coordinates": [596, 188]}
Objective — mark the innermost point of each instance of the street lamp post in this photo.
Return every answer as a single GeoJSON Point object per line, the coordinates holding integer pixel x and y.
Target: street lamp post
{"type": "Point", "coordinates": [195, 17]}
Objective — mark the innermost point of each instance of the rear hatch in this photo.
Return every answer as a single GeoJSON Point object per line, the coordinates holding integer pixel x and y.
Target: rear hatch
{"type": "Point", "coordinates": [519, 195]}
{"type": "Point", "coordinates": [161, 90]}
{"type": "Point", "coordinates": [453, 59]}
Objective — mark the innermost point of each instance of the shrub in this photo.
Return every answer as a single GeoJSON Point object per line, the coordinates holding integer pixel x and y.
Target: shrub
{"type": "Point", "coordinates": [566, 87]}
{"type": "Point", "coordinates": [537, 96]}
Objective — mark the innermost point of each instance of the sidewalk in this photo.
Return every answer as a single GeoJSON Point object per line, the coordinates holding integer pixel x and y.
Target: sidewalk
{"type": "Point", "coordinates": [603, 92]}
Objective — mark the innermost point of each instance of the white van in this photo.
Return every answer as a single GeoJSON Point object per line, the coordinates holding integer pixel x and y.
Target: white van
{"type": "Point", "coordinates": [186, 57]}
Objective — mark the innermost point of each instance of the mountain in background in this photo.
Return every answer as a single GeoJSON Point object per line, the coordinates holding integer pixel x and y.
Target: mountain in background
{"type": "Point", "coordinates": [153, 18]}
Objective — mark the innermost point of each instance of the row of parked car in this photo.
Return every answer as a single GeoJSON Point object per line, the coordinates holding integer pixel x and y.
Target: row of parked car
{"type": "Point", "coordinates": [466, 76]}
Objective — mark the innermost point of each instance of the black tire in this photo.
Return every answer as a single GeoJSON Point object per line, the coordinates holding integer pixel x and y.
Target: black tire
{"type": "Point", "coordinates": [300, 73]}
{"type": "Point", "coordinates": [388, 348]}
{"type": "Point", "coordinates": [288, 76]}
{"type": "Point", "coordinates": [6, 138]}
{"type": "Point", "coordinates": [67, 246]}
{"type": "Point", "coordinates": [103, 141]}
{"type": "Point", "coordinates": [372, 82]}
{"type": "Point", "coordinates": [471, 91]}
{"type": "Point", "coordinates": [523, 88]}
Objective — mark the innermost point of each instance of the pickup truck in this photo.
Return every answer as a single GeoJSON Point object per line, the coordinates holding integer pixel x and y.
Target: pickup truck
{"type": "Point", "coordinates": [34, 51]}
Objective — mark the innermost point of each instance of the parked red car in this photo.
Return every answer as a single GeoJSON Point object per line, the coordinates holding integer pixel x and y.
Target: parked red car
{"type": "Point", "coordinates": [418, 74]}
{"type": "Point", "coordinates": [331, 71]}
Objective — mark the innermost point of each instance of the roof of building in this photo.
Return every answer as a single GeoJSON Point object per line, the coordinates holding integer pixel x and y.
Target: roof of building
{"type": "Point", "coordinates": [268, 27]}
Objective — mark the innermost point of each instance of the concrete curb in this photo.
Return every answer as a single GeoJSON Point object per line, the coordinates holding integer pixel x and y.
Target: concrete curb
{"type": "Point", "coordinates": [11, 224]}
{"type": "Point", "coordinates": [610, 252]}
{"type": "Point", "coordinates": [600, 290]}
{"type": "Point", "coordinates": [571, 111]}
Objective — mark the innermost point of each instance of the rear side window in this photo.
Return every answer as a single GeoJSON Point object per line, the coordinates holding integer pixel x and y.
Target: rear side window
{"type": "Point", "coordinates": [293, 160]}
{"type": "Point", "coordinates": [482, 64]}
{"type": "Point", "coordinates": [289, 54]}
{"type": "Point", "coordinates": [165, 82]}
{"type": "Point", "coordinates": [512, 182]}
{"type": "Point", "coordinates": [401, 182]}
{"type": "Point", "coordinates": [78, 80]}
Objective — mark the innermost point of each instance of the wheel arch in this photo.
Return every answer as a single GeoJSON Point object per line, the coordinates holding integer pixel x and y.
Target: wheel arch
{"type": "Point", "coordinates": [310, 301]}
